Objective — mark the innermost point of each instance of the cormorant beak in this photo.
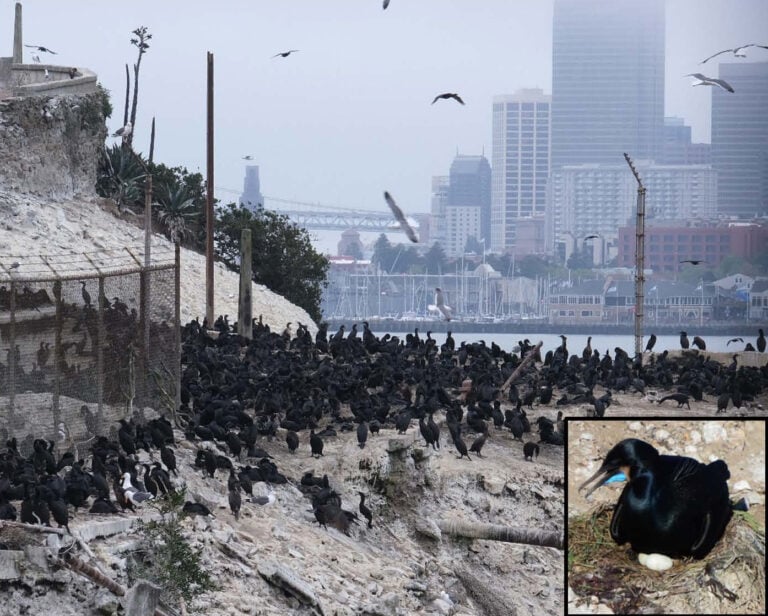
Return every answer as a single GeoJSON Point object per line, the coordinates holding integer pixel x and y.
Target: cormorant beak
{"type": "Point", "coordinates": [607, 473]}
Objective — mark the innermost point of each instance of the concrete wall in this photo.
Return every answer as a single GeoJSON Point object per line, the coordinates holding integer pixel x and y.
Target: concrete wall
{"type": "Point", "coordinates": [50, 145]}
{"type": "Point", "coordinates": [31, 79]}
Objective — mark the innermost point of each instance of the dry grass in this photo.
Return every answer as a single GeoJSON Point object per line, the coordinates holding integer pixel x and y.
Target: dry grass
{"type": "Point", "coordinates": [730, 580]}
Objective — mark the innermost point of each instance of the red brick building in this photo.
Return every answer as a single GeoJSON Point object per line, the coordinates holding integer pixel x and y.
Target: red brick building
{"type": "Point", "coordinates": [665, 247]}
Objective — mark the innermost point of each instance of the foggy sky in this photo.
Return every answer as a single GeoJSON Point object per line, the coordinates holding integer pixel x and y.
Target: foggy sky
{"type": "Point", "coordinates": [349, 115]}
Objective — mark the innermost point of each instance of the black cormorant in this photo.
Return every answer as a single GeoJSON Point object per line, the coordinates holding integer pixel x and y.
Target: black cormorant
{"type": "Point", "coordinates": [698, 341]}
{"type": "Point", "coordinates": [681, 399]}
{"type": "Point", "coordinates": [672, 505]}
{"type": "Point", "coordinates": [86, 295]}
{"type": "Point", "coordinates": [316, 444]}
{"type": "Point", "coordinates": [530, 450]}
{"type": "Point", "coordinates": [761, 341]}
{"type": "Point", "coordinates": [365, 511]}
{"type": "Point", "coordinates": [292, 439]}
{"type": "Point", "coordinates": [651, 343]}
{"type": "Point", "coordinates": [478, 443]}
{"type": "Point", "coordinates": [362, 434]}
{"type": "Point", "coordinates": [684, 340]}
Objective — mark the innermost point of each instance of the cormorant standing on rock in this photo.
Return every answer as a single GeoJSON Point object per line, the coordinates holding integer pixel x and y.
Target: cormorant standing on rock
{"type": "Point", "coordinates": [722, 402]}
{"type": "Point", "coordinates": [316, 443]}
{"type": "Point", "coordinates": [365, 511]}
{"type": "Point", "coordinates": [235, 501]}
{"type": "Point", "coordinates": [530, 450]}
{"type": "Point", "coordinates": [461, 446]}
{"type": "Point", "coordinates": [292, 438]}
{"type": "Point", "coordinates": [168, 458]}
{"type": "Point", "coordinates": [477, 445]}
{"type": "Point", "coordinates": [698, 341]}
{"type": "Point", "coordinates": [684, 340]}
{"type": "Point", "coordinates": [86, 295]}
{"type": "Point", "coordinates": [761, 341]}
{"type": "Point", "coordinates": [671, 505]}
{"type": "Point", "coordinates": [651, 343]}
{"type": "Point", "coordinates": [362, 434]}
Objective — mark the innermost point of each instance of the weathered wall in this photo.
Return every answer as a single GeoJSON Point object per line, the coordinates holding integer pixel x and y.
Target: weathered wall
{"type": "Point", "coordinates": [49, 145]}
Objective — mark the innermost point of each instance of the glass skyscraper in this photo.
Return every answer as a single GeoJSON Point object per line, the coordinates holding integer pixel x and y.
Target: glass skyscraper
{"type": "Point", "coordinates": [740, 140]}
{"type": "Point", "coordinates": [607, 81]}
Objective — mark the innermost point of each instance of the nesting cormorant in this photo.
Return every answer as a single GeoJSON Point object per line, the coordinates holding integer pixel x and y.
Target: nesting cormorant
{"type": "Point", "coordinates": [530, 450]}
{"type": "Point", "coordinates": [671, 505]}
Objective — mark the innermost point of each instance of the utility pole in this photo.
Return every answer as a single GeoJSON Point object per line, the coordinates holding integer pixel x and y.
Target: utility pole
{"type": "Point", "coordinates": [639, 259]}
{"type": "Point", "coordinates": [209, 202]}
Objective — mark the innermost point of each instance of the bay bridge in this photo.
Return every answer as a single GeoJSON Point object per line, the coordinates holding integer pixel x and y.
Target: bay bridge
{"type": "Point", "coordinates": [328, 217]}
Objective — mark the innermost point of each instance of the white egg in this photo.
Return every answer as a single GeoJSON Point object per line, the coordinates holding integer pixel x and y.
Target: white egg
{"type": "Point", "coordinates": [656, 562]}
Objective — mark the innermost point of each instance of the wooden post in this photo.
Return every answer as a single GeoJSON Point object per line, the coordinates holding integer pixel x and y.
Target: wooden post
{"type": "Point", "coordinates": [639, 260]}
{"type": "Point", "coordinates": [209, 202]}
{"type": "Point", "coordinates": [245, 303]}
{"type": "Point", "coordinates": [526, 360]}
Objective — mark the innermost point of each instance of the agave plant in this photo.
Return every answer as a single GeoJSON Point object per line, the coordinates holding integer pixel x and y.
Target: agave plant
{"type": "Point", "coordinates": [175, 207]}
{"type": "Point", "coordinates": [120, 176]}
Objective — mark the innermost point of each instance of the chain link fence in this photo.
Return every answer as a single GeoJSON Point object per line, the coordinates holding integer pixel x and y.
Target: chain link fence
{"type": "Point", "coordinates": [86, 339]}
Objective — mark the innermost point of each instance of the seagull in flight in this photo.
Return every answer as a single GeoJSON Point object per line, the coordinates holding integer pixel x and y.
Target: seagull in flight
{"type": "Point", "coordinates": [693, 261]}
{"type": "Point", "coordinates": [384, 5]}
{"type": "Point", "coordinates": [440, 304]}
{"type": "Point", "coordinates": [248, 157]}
{"type": "Point", "coordinates": [42, 49]}
{"type": "Point", "coordinates": [738, 52]}
{"type": "Point", "coordinates": [124, 132]}
{"type": "Point", "coordinates": [448, 95]}
{"type": "Point", "coordinates": [285, 54]}
{"type": "Point", "coordinates": [703, 80]}
{"type": "Point", "coordinates": [407, 229]}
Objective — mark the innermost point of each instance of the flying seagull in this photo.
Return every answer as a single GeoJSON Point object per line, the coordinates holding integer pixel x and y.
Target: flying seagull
{"type": "Point", "coordinates": [285, 54]}
{"type": "Point", "coordinates": [447, 95]}
{"type": "Point", "coordinates": [738, 52]}
{"type": "Point", "coordinates": [693, 261]}
{"type": "Point", "coordinates": [407, 229]}
{"type": "Point", "coordinates": [703, 80]}
{"type": "Point", "coordinates": [42, 49]}
{"type": "Point", "coordinates": [385, 4]}
{"type": "Point", "coordinates": [440, 304]}
{"type": "Point", "coordinates": [590, 237]}
{"type": "Point", "coordinates": [248, 157]}
{"type": "Point", "coordinates": [124, 132]}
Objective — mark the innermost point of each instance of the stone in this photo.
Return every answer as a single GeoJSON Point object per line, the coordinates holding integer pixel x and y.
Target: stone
{"type": "Point", "coordinates": [427, 528]}
{"type": "Point", "coordinates": [493, 485]}
{"type": "Point", "coordinates": [713, 431]}
{"type": "Point", "coordinates": [741, 485]}
{"type": "Point", "coordinates": [695, 436]}
{"type": "Point", "coordinates": [441, 607]}
{"type": "Point", "coordinates": [635, 426]}
{"type": "Point", "coordinates": [141, 599]}
{"type": "Point", "coordinates": [586, 436]}
{"type": "Point", "coordinates": [661, 435]}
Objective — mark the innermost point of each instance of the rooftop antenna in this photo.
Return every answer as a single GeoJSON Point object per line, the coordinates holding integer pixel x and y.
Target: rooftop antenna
{"type": "Point", "coordinates": [639, 259]}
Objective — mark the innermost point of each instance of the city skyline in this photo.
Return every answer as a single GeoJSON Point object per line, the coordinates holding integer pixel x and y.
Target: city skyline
{"type": "Point", "coordinates": [349, 115]}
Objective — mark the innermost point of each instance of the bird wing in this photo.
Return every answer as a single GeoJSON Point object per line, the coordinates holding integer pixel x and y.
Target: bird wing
{"type": "Point", "coordinates": [698, 76]}
{"type": "Point", "coordinates": [437, 98]}
{"type": "Point", "coordinates": [723, 84]}
{"type": "Point", "coordinates": [714, 55]}
{"type": "Point", "coordinates": [384, 5]}
{"type": "Point", "coordinates": [458, 98]}
{"type": "Point", "coordinates": [398, 213]}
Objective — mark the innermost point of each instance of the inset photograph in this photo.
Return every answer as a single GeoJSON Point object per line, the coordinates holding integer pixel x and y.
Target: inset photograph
{"type": "Point", "coordinates": [665, 516]}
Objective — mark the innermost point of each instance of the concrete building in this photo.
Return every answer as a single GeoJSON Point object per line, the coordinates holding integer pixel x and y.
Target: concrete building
{"type": "Point", "coordinates": [469, 188]}
{"type": "Point", "coordinates": [595, 199]}
{"type": "Point", "coordinates": [607, 81]}
{"type": "Point", "coordinates": [437, 209]}
{"type": "Point", "coordinates": [668, 244]}
{"type": "Point", "coordinates": [678, 149]}
{"type": "Point", "coordinates": [740, 140]}
{"type": "Point", "coordinates": [521, 164]}
{"type": "Point", "coordinates": [252, 197]}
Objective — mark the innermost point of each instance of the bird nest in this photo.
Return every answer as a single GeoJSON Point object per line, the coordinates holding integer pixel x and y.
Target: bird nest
{"type": "Point", "coordinates": [18, 537]}
{"type": "Point", "coordinates": [729, 580]}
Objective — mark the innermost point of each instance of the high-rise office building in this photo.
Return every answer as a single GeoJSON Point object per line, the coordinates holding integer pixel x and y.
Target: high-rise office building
{"type": "Point", "coordinates": [740, 140]}
{"type": "Point", "coordinates": [439, 202]}
{"type": "Point", "coordinates": [607, 80]}
{"type": "Point", "coordinates": [252, 197]}
{"type": "Point", "coordinates": [465, 204]}
{"type": "Point", "coordinates": [521, 163]}
{"type": "Point", "coordinates": [678, 149]}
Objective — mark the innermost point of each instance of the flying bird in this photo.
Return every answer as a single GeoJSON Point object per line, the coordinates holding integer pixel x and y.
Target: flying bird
{"type": "Point", "coordinates": [448, 95]}
{"type": "Point", "coordinates": [693, 261]}
{"type": "Point", "coordinates": [590, 237]}
{"type": "Point", "coordinates": [407, 229]}
{"type": "Point", "coordinates": [285, 54]}
{"type": "Point", "coordinates": [734, 340]}
{"type": "Point", "coordinates": [42, 49]}
{"type": "Point", "coordinates": [384, 5]}
{"type": "Point", "coordinates": [124, 132]}
{"type": "Point", "coordinates": [738, 52]}
{"type": "Point", "coordinates": [14, 265]}
{"type": "Point", "coordinates": [440, 304]}
{"type": "Point", "coordinates": [703, 80]}
{"type": "Point", "coordinates": [249, 157]}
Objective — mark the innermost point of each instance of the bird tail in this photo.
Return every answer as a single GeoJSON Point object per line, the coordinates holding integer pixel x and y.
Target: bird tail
{"type": "Point", "coordinates": [740, 505]}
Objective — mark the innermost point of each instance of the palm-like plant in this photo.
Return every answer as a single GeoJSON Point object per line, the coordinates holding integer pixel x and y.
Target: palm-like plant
{"type": "Point", "coordinates": [175, 207]}
{"type": "Point", "coordinates": [120, 176]}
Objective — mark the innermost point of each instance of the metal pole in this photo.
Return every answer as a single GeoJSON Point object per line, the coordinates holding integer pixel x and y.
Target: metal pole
{"type": "Point", "coordinates": [209, 202]}
{"type": "Point", "coordinates": [639, 259]}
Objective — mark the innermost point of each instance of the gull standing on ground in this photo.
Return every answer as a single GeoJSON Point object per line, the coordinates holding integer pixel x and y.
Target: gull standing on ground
{"type": "Point", "coordinates": [440, 304]}
{"type": "Point", "coordinates": [132, 493]}
{"type": "Point", "coordinates": [407, 229]}
{"type": "Point", "coordinates": [703, 80]}
{"type": "Point", "coordinates": [738, 52]}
